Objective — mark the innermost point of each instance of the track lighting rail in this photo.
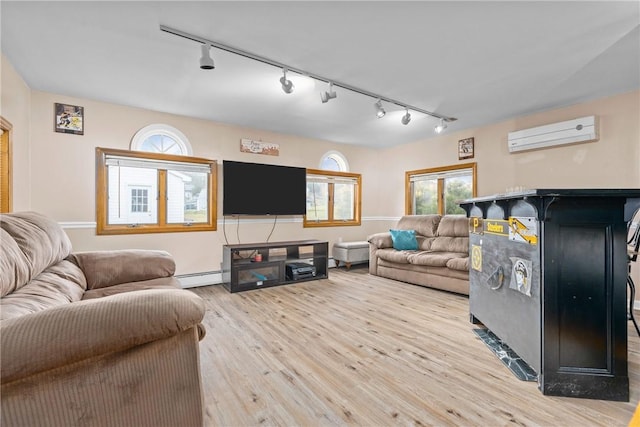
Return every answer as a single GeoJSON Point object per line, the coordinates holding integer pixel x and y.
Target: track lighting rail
{"type": "Point", "coordinates": [277, 64]}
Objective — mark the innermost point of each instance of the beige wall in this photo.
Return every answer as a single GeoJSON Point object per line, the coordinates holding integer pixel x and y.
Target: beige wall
{"type": "Point", "coordinates": [54, 172]}
{"type": "Point", "coordinates": [611, 162]}
{"type": "Point", "coordinates": [15, 106]}
{"type": "Point", "coordinates": [68, 194]}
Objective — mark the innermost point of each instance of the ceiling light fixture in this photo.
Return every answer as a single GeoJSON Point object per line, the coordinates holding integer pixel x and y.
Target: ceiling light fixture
{"type": "Point", "coordinates": [379, 110]}
{"type": "Point", "coordinates": [287, 85]}
{"type": "Point", "coordinates": [206, 63]}
{"type": "Point", "coordinates": [285, 68]}
{"type": "Point", "coordinates": [329, 94]}
{"type": "Point", "coordinates": [406, 118]}
{"type": "Point", "coordinates": [440, 126]}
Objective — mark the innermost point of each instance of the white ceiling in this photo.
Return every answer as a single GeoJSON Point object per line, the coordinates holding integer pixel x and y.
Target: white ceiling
{"type": "Point", "coordinates": [481, 62]}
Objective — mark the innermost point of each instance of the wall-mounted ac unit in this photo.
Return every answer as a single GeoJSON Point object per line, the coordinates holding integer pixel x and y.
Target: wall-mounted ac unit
{"type": "Point", "coordinates": [583, 129]}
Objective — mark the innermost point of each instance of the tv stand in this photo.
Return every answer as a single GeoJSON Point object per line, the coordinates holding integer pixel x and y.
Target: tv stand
{"type": "Point", "coordinates": [243, 271]}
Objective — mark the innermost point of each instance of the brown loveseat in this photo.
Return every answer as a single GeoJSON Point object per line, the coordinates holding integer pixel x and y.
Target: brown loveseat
{"type": "Point", "coordinates": [441, 259]}
{"type": "Point", "coordinates": [94, 338]}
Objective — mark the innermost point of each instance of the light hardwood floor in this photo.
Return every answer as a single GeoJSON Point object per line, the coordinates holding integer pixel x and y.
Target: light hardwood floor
{"type": "Point", "coordinates": [357, 349]}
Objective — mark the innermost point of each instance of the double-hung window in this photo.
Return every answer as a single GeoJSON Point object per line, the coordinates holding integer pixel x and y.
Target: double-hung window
{"type": "Point", "coordinates": [333, 198]}
{"type": "Point", "coordinates": [438, 190]}
{"type": "Point", "coordinates": [141, 192]}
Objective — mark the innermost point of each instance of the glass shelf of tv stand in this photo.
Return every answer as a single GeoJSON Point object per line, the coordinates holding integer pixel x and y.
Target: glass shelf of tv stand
{"type": "Point", "coordinates": [260, 274]}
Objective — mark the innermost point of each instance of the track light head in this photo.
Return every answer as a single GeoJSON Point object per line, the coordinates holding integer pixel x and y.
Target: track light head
{"type": "Point", "coordinates": [287, 85]}
{"type": "Point", "coordinates": [406, 118]}
{"type": "Point", "coordinates": [379, 110]}
{"type": "Point", "coordinates": [329, 94]}
{"type": "Point", "coordinates": [440, 127]}
{"type": "Point", "coordinates": [206, 63]}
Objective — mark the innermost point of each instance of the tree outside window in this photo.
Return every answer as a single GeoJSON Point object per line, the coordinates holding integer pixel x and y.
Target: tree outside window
{"type": "Point", "coordinates": [438, 190]}
{"type": "Point", "coordinates": [333, 198]}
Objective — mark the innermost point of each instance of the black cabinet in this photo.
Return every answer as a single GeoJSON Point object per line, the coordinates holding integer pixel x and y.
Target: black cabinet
{"type": "Point", "coordinates": [260, 265]}
{"type": "Point", "coordinates": [548, 277]}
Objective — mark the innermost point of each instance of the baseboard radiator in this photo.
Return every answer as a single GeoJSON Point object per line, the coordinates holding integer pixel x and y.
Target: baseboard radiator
{"type": "Point", "coordinates": [200, 279]}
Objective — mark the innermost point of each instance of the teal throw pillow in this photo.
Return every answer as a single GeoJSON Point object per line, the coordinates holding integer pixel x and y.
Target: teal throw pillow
{"type": "Point", "coordinates": [404, 240]}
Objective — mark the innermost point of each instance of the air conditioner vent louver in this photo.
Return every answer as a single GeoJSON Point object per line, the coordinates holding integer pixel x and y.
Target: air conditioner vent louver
{"type": "Point", "coordinates": [584, 129]}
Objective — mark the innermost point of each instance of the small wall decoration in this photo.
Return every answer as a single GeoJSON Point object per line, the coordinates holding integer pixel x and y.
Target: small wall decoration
{"type": "Point", "coordinates": [465, 149]}
{"type": "Point", "coordinates": [521, 275]}
{"type": "Point", "coordinates": [259, 147]}
{"type": "Point", "coordinates": [69, 119]}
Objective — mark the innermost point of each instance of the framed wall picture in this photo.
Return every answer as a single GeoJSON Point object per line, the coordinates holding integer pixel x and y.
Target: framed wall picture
{"type": "Point", "coordinates": [259, 147]}
{"type": "Point", "coordinates": [68, 119]}
{"type": "Point", "coordinates": [465, 149]}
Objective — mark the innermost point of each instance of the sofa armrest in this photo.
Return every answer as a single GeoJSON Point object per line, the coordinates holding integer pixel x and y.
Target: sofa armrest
{"type": "Point", "coordinates": [381, 240]}
{"type": "Point", "coordinates": [66, 334]}
{"type": "Point", "coordinates": [377, 241]}
{"type": "Point", "coordinates": [108, 268]}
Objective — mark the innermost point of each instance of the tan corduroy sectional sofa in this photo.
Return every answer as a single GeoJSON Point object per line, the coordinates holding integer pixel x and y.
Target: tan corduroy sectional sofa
{"type": "Point", "coordinates": [94, 338]}
{"type": "Point", "coordinates": [440, 260]}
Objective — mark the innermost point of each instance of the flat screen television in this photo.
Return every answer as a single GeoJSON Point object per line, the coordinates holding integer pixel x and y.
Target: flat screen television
{"type": "Point", "coordinates": [261, 189]}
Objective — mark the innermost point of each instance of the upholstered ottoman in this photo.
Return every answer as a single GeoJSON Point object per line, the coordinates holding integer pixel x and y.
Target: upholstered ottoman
{"type": "Point", "coordinates": [351, 253]}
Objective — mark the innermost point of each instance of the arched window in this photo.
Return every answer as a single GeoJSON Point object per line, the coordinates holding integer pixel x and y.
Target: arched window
{"type": "Point", "coordinates": [334, 161]}
{"type": "Point", "coordinates": [162, 139]}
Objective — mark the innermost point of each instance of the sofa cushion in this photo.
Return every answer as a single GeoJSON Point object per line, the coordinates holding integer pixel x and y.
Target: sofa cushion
{"type": "Point", "coordinates": [159, 283]}
{"type": "Point", "coordinates": [425, 225]}
{"type": "Point", "coordinates": [433, 259]}
{"type": "Point", "coordinates": [454, 226]}
{"type": "Point", "coordinates": [423, 274]}
{"type": "Point", "coordinates": [108, 268]}
{"type": "Point", "coordinates": [424, 243]}
{"type": "Point", "coordinates": [404, 240]}
{"type": "Point", "coordinates": [59, 284]}
{"type": "Point", "coordinates": [14, 267]}
{"type": "Point", "coordinates": [450, 244]}
{"type": "Point", "coordinates": [38, 242]}
{"type": "Point", "coordinates": [460, 264]}
{"type": "Point", "coordinates": [392, 255]}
